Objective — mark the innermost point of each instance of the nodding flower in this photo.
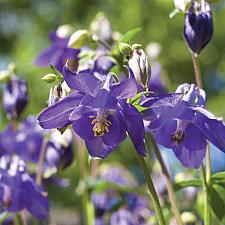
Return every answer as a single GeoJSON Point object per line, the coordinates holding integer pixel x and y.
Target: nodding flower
{"type": "Point", "coordinates": [198, 26]}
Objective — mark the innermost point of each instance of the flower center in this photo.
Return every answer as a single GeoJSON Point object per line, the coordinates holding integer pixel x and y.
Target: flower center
{"type": "Point", "coordinates": [178, 137]}
{"type": "Point", "coordinates": [100, 124]}
{"type": "Point", "coordinates": [179, 134]}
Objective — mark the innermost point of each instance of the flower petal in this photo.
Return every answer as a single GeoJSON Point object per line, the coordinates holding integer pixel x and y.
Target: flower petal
{"type": "Point", "coordinates": [98, 149]}
{"type": "Point", "coordinates": [57, 115]}
{"type": "Point", "coordinates": [117, 130]}
{"type": "Point", "coordinates": [84, 127]}
{"type": "Point", "coordinates": [84, 81]}
{"type": "Point", "coordinates": [125, 89]}
{"type": "Point", "coordinates": [135, 127]}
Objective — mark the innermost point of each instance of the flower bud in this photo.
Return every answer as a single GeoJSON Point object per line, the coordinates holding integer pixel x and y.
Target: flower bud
{"type": "Point", "coordinates": [49, 78]}
{"type": "Point", "coordinates": [102, 27]}
{"type": "Point", "coordinates": [4, 76]}
{"type": "Point", "coordinates": [181, 5]}
{"type": "Point", "coordinates": [140, 66]}
{"type": "Point", "coordinates": [198, 27]}
{"type": "Point", "coordinates": [15, 97]}
{"type": "Point", "coordinates": [57, 92]}
{"type": "Point", "coordinates": [125, 49]}
{"type": "Point", "coordinates": [78, 39]}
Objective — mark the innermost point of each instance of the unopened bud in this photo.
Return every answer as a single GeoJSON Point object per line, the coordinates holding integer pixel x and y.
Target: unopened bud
{"type": "Point", "coordinates": [136, 46]}
{"type": "Point", "coordinates": [181, 5]}
{"type": "Point", "coordinates": [78, 39]}
{"type": "Point", "coordinates": [49, 78]}
{"type": "Point", "coordinates": [140, 67]}
{"type": "Point", "coordinates": [125, 49]}
{"type": "Point", "coordinates": [4, 76]}
{"type": "Point", "coordinates": [198, 27]}
{"type": "Point", "coordinates": [64, 30]}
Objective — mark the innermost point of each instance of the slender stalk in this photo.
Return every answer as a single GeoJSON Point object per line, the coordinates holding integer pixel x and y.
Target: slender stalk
{"type": "Point", "coordinates": [88, 208]}
{"type": "Point", "coordinates": [94, 167]}
{"type": "Point", "coordinates": [207, 212]}
{"type": "Point", "coordinates": [206, 179]}
{"type": "Point", "coordinates": [18, 220]}
{"type": "Point", "coordinates": [153, 194]}
{"type": "Point", "coordinates": [169, 185]}
{"type": "Point", "coordinates": [39, 171]}
{"type": "Point", "coordinates": [198, 75]}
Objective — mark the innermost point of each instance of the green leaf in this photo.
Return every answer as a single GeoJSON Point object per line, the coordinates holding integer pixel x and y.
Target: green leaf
{"type": "Point", "coordinates": [218, 178]}
{"type": "Point", "coordinates": [212, 1]}
{"type": "Point", "coordinates": [126, 38]}
{"type": "Point", "coordinates": [102, 185]}
{"type": "Point", "coordinates": [135, 101]}
{"type": "Point", "coordinates": [217, 201]}
{"type": "Point", "coordinates": [189, 183]}
{"type": "Point", "coordinates": [130, 34]}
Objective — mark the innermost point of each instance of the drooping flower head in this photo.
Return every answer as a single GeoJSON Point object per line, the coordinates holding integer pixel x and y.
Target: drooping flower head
{"type": "Point", "coordinates": [198, 27]}
{"type": "Point", "coordinates": [181, 122]}
{"type": "Point", "coordinates": [15, 96]}
{"type": "Point", "coordinates": [19, 191]}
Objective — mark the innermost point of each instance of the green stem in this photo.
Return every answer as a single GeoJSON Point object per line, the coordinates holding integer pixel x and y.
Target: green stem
{"type": "Point", "coordinates": [39, 170]}
{"type": "Point", "coordinates": [18, 220]}
{"type": "Point", "coordinates": [88, 209]}
{"type": "Point", "coordinates": [169, 185]}
{"type": "Point", "coordinates": [153, 194]}
{"type": "Point", "coordinates": [206, 179]}
{"type": "Point", "coordinates": [207, 212]}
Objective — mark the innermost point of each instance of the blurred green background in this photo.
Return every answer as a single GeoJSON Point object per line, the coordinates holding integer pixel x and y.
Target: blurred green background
{"type": "Point", "coordinates": [24, 28]}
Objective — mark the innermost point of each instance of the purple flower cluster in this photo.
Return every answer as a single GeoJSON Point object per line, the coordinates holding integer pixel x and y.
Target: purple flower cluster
{"type": "Point", "coordinates": [113, 207]}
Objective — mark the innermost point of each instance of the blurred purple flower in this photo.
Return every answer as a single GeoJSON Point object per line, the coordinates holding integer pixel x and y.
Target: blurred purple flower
{"type": "Point", "coordinates": [26, 140]}
{"type": "Point", "coordinates": [19, 189]}
{"type": "Point", "coordinates": [198, 27]}
{"type": "Point", "coordinates": [156, 84]}
{"type": "Point", "coordinates": [15, 97]}
{"type": "Point", "coordinates": [181, 122]}
{"type": "Point", "coordinates": [57, 53]}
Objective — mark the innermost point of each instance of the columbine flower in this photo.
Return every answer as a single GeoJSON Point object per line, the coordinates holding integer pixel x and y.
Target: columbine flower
{"type": "Point", "coordinates": [15, 97]}
{"type": "Point", "coordinates": [181, 122]}
{"type": "Point", "coordinates": [19, 191]}
{"type": "Point", "coordinates": [57, 53]}
{"type": "Point", "coordinates": [198, 27]}
{"type": "Point", "coordinates": [98, 112]}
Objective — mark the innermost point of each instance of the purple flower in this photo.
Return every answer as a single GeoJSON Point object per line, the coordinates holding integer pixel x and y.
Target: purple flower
{"type": "Point", "coordinates": [126, 208]}
{"type": "Point", "coordinates": [181, 122]}
{"type": "Point", "coordinates": [57, 53]}
{"type": "Point", "coordinates": [102, 66]}
{"type": "Point", "coordinates": [123, 216]}
{"type": "Point", "coordinates": [198, 27]}
{"type": "Point", "coordinates": [26, 140]}
{"type": "Point", "coordinates": [15, 97]}
{"type": "Point", "coordinates": [20, 191]}
{"type": "Point", "coordinates": [98, 113]}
